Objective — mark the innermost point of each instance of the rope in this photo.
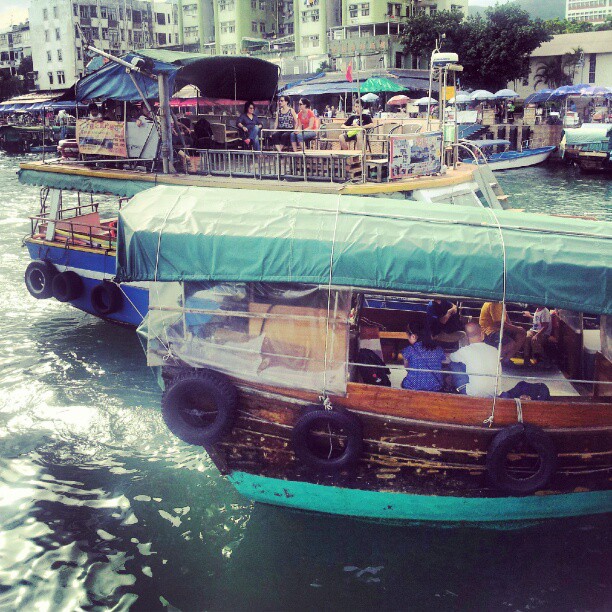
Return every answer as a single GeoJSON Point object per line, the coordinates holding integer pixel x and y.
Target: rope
{"type": "Point", "coordinates": [489, 420]}
{"type": "Point", "coordinates": [329, 290]}
{"type": "Point", "coordinates": [519, 409]}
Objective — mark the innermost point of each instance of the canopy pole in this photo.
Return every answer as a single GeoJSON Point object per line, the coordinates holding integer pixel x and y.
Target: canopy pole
{"type": "Point", "coordinates": [166, 128]}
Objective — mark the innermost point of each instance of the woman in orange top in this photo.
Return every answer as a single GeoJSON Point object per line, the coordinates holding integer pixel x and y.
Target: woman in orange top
{"type": "Point", "coordinates": [306, 125]}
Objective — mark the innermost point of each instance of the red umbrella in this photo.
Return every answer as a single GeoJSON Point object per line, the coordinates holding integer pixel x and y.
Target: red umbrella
{"type": "Point", "coordinates": [398, 100]}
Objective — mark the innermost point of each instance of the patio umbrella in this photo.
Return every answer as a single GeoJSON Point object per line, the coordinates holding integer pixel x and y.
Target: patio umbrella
{"type": "Point", "coordinates": [506, 93]}
{"type": "Point", "coordinates": [539, 96]}
{"type": "Point", "coordinates": [378, 84]}
{"type": "Point", "coordinates": [425, 101]}
{"type": "Point", "coordinates": [482, 94]}
{"type": "Point", "coordinates": [595, 90]}
{"type": "Point", "coordinates": [369, 97]}
{"type": "Point", "coordinates": [460, 98]}
{"type": "Point", "coordinates": [568, 90]}
{"type": "Point", "coordinates": [398, 100]}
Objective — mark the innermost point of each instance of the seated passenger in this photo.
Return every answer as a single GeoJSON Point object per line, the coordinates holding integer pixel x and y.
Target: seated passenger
{"type": "Point", "coordinates": [444, 322]}
{"type": "Point", "coordinates": [480, 361]}
{"type": "Point", "coordinates": [249, 126]}
{"type": "Point", "coordinates": [538, 334]}
{"type": "Point", "coordinates": [420, 355]}
{"type": "Point", "coordinates": [491, 324]}
{"type": "Point", "coordinates": [286, 122]}
{"type": "Point", "coordinates": [355, 124]}
{"type": "Point", "coordinates": [94, 112]}
{"type": "Point", "coordinates": [305, 126]}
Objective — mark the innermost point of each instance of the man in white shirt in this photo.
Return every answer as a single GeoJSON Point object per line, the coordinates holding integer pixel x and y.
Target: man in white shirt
{"type": "Point", "coordinates": [481, 363]}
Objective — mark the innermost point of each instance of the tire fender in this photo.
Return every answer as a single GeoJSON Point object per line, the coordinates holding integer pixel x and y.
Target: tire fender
{"type": "Point", "coordinates": [318, 419]}
{"type": "Point", "coordinates": [39, 277]}
{"type": "Point", "coordinates": [67, 286]}
{"type": "Point", "coordinates": [106, 298]}
{"type": "Point", "coordinates": [508, 439]}
{"type": "Point", "coordinates": [194, 394]}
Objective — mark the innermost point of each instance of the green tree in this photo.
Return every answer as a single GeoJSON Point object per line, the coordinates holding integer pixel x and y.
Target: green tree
{"type": "Point", "coordinates": [564, 26]}
{"type": "Point", "coordinates": [493, 49]}
{"type": "Point", "coordinates": [26, 65]}
{"type": "Point", "coordinates": [10, 86]}
{"type": "Point", "coordinates": [551, 72]}
{"type": "Point", "coordinates": [571, 61]}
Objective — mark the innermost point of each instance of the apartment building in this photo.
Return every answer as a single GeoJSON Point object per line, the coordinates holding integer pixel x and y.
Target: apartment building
{"type": "Point", "coordinates": [594, 11]}
{"type": "Point", "coordinates": [115, 26]}
{"type": "Point", "coordinates": [14, 46]}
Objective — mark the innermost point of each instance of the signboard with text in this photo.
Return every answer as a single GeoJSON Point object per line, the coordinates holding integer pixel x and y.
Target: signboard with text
{"type": "Point", "coordinates": [414, 155]}
{"type": "Point", "coordinates": [101, 137]}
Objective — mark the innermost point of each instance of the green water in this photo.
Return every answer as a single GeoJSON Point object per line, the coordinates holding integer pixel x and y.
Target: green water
{"type": "Point", "coordinates": [101, 508]}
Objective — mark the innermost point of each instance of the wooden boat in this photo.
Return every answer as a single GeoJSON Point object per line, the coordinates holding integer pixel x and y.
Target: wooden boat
{"type": "Point", "coordinates": [504, 159]}
{"type": "Point", "coordinates": [589, 146]}
{"type": "Point", "coordinates": [257, 316]}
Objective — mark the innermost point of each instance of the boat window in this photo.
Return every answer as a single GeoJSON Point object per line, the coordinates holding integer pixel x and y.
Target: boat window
{"type": "Point", "coordinates": [281, 334]}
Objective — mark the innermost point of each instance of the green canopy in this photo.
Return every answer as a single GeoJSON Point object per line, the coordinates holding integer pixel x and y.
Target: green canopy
{"type": "Point", "coordinates": [379, 84]}
{"type": "Point", "coordinates": [194, 233]}
{"type": "Point", "coordinates": [592, 133]}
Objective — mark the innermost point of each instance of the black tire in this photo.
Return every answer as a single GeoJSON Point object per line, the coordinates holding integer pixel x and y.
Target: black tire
{"type": "Point", "coordinates": [343, 423]}
{"type": "Point", "coordinates": [200, 407]}
{"type": "Point", "coordinates": [509, 439]}
{"type": "Point", "coordinates": [106, 298]}
{"type": "Point", "coordinates": [67, 286]}
{"type": "Point", "coordinates": [38, 278]}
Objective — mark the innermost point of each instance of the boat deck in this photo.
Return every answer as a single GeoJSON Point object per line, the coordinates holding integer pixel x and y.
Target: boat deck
{"type": "Point", "coordinates": [65, 170]}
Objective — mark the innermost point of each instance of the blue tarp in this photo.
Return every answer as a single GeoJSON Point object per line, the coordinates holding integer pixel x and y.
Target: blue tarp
{"type": "Point", "coordinates": [538, 96]}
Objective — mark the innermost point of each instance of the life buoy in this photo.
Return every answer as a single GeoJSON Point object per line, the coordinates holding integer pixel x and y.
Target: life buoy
{"type": "Point", "coordinates": [38, 278]}
{"type": "Point", "coordinates": [112, 229]}
{"type": "Point", "coordinates": [311, 439]}
{"type": "Point", "coordinates": [67, 286]}
{"type": "Point", "coordinates": [200, 407]}
{"type": "Point", "coordinates": [511, 439]}
{"type": "Point", "coordinates": [106, 298]}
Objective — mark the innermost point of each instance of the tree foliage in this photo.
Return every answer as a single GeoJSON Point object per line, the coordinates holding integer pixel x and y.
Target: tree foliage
{"type": "Point", "coordinates": [565, 26]}
{"type": "Point", "coordinates": [551, 72]}
{"type": "Point", "coordinates": [493, 50]}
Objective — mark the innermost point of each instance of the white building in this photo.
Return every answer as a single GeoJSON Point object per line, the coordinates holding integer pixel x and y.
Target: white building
{"type": "Point", "coordinates": [594, 11]}
{"type": "Point", "coordinates": [115, 26]}
{"type": "Point", "coordinates": [595, 69]}
{"type": "Point", "coordinates": [14, 46]}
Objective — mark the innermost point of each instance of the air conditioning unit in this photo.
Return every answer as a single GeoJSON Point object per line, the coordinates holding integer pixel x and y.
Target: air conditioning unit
{"type": "Point", "coordinates": [440, 60]}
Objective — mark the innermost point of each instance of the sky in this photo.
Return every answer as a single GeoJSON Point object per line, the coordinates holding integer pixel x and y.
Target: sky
{"type": "Point", "coordinates": [13, 12]}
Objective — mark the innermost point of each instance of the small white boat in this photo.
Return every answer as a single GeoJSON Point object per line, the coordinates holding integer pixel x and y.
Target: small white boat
{"type": "Point", "coordinates": [506, 159]}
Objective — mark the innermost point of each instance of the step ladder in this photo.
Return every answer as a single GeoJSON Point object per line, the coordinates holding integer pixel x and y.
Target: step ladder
{"type": "Point", "coordinates": [490, 188]}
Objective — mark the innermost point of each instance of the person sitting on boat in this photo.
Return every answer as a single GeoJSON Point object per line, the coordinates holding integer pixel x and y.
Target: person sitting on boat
{"type": "Point", "coordinates": [513, 337]}
{"type": "Point", "coordinates": [423, 361]}
{"type": "Point", "coordinates": [286, 121]}
{"type": "Point", "coordinates": [306, 125]}
{"type": "Point", "coordinates": [444, 322]}
{"type": "Point", "coordinates": [249, 126]}
{"type": "Point", "coordinates": [538, 334]}
{"type": "Point", "coordinates": [355, 124]}
{"type": "Point", "coordinates": [480, 360]}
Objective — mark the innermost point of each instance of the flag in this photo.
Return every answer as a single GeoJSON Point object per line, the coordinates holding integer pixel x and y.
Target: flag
{"type": "Point", "coordinates": [349, 72]}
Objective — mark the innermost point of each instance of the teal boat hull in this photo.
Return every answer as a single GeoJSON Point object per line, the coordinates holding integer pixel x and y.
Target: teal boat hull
{"type": "Point", "coordinates": [391, 506]}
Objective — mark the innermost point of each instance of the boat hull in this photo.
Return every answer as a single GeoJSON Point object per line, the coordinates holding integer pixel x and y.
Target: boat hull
{"type": "Point", "coordinates": [93, 267]}
{"type": "Point", "coordinates": [510, 160]}
{"type": "Point", "coordinates": [396, 506]}
{"type": "Point", "coordinates": [424, 456]}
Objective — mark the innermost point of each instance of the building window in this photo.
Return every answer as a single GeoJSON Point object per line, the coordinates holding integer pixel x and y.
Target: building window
{"type": "Point", "coordinates": [55, 12]}
{"type": "Point", "coordinates": [93, 11]}
{"type": "Point", "coordinates": [75, 10]}
{"type": "Point", "coordinates": [262, 5]}
{"type": "Point", "coordinates": [592, 67]}
{"type": "Point", "coordinates": [50, 77]}
{"type": "Point", "coordinates": [254, 26]}
{"type": "Point", "coordinates": [77, 34]}
{"type": "Point", "coordinates": [83, 12]}
{"type": "Point", "coordinates": [59, 55]}
{"type": "Point", "coordinates": [394, 10]}
{"type": "Point", "coordinates": [48, 56]}
{"type": "Point", "coordinates": [45, 14]}
{"type": "Point", "coordinates": [161, 19]}
{"type": "Point", "coordinates": [365, 10]}
{"type": "Point", "coordinates": [46, 35]}
{"type": "Point", "coordinates": [61, 78]}
{"type": "Point", "coordinates": [103, 12]}
{"type": "Point", "coordinates": [161, 39]}
{"type": "Point", "coordinates": [228, 27]}
{"type": "Point", "coordinates": [352, 11]}
{"type": "Point", "coordinates": [78, 53]}
{"type": "Point", "coordinates": [57, 34]}
{"type": "Point", "coordinates": [262, 27]}
{"type": "Point", "coordinates": [253, 4]}
{"type": "Point", "coordinates": [433, 10]}
{"type": "Point", "coordinates": [104, 34]}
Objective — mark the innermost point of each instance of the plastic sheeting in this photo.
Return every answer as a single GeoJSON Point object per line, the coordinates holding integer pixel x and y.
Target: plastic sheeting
{"type": "Point", "coordinates": [254, 331]}
{"type": "Point", "coordinates": [192, 233]}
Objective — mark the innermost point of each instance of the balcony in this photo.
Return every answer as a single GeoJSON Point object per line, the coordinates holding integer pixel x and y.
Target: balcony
{"type": "Point", "coordinates": [363, 39]}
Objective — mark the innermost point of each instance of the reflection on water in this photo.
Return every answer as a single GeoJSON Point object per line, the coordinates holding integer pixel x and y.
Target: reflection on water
{"type": "Point", "coordinates": [100, 507]}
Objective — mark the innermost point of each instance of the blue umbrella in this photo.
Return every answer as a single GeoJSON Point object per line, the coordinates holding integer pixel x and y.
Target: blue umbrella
{"type": "Point", "coordinates": [538, 96]}
{"type": "Point", "coordinates": [568, 90]}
